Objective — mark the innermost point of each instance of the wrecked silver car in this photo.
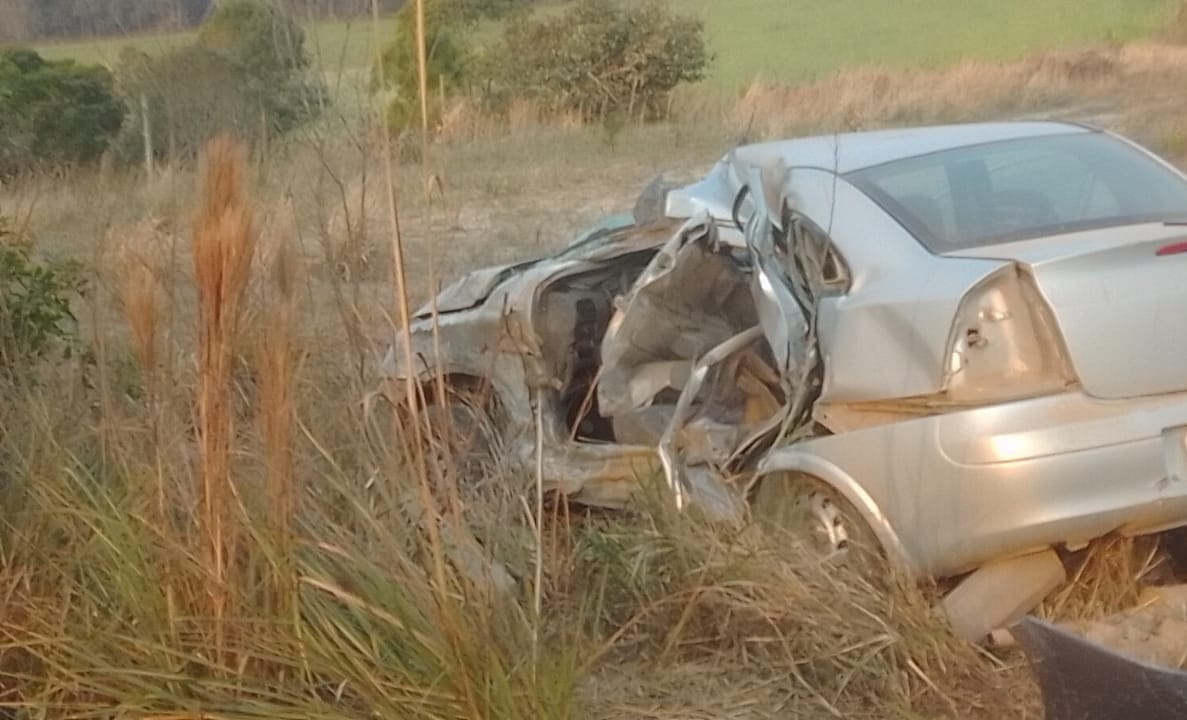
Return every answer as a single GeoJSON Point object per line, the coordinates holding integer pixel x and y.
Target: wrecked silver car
{"type": "Point", "coordinates": [966, 342]}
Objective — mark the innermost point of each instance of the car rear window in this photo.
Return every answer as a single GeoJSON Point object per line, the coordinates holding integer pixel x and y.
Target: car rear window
{"type": "Point", "coordinates": [1025, 188]}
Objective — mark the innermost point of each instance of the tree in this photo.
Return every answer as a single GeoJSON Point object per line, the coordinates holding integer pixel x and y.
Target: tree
{"type": "Point", "coordinates": [192, 94]}
{"type": "Point", "coordinates": [446, 62]}
{"type": "Point", "coordinates": [54, 113]}
{"type": "Point", "coordinates": [257, 35]}
{"type": "Point", "coordinates": [246, 74]}
{"type": "Point", "coordinates": [600, 58]}
{"type": "Point", "coordinates": [268, 47]}
{"type": "Point", "coordinates": [16, 21]}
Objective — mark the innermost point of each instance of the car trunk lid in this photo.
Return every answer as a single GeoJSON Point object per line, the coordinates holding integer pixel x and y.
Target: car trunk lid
{"type": "Point", "coordinates": [1119, 296]}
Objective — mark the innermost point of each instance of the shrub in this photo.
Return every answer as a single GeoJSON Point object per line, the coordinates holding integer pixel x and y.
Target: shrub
{"type": "Point", "coordinates": [193, 94]}
{"type": "Point", "coordinates": [600, 58]}
{"type": "Point", "coordinates": [446, 63]}
{"type": "Point", "coordinates": [247, 75]}
{"type": "Point", "coordinates": [53, 113]}
{"type": "Point", "coordinates": [36, 320]}
{"type": "Point", "coordinates": [257, 35]}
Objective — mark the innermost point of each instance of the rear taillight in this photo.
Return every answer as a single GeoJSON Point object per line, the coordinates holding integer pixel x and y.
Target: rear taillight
{"type": "Point", "coordinates": [1005, 344]}
{"type": "Point", "coordinates": [1177, 248]}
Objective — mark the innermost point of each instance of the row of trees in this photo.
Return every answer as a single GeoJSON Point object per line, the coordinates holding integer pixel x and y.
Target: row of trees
{"type": "Point", "coordinates": [596, 59]}
{"type": "Point", "coordinates": [246, 73]}
{"type": "Point", "coordinates": [28, 20]}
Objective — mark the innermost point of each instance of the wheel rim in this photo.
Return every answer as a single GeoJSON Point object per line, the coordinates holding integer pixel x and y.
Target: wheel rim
{"type": "Point", "coordinates": [829, 522]}
{"type": "Point", "coordinates": [801, 508]}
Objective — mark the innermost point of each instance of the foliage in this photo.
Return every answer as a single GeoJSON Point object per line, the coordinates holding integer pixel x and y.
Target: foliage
{"type": "Point", "coordinates": [601, 58]}
{"type": "Point", "coordinates": [472, 10]}
{"type": "Point", "coordinates": [446, 62]}
{"type": "Point", "coordinates": [36, 320]}
{"type": "Point", "coordinates": [53, 113]}
{"type": "Point", "coordinates": [26, 19]}
{"type": "Point", "coordinates": [192, 94]}
{"type": "Point", "coordinates": [246, 75]}
{"type": "Point", "coordinates": [257, 35]}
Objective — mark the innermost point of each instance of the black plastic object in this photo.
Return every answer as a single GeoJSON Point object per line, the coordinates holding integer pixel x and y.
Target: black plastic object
{"type": "Point", "coordinates": [1081, 680]}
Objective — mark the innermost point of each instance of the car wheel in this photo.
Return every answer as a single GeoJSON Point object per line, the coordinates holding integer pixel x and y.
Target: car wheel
{"type": "Point", "coordinates": [815, 517]}
{"type": "Point", "coordinates": [460, 436]}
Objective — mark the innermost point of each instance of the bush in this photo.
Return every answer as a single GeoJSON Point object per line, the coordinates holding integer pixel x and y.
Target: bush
{"type": "Point", "coordinates": [258, 36]}
{"type": "Point", "coordinates": [36, 320]}
{"type": "Point", "coordinates": [53, 113]}
{"type": "Point", "coordinates": [446, 63]}
{"type": "Point", "coordinates": [600, 58]}
{"type": "Point", "coordinates": [193, 94]}
{"type": "Point", "coordinates": [247, 75]}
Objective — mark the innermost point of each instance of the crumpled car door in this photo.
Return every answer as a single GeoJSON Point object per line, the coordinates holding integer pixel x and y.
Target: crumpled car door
{"type": "Point", "coordinates": [688, 318]}
{"type": "Point", "coordinates": [789, 265]}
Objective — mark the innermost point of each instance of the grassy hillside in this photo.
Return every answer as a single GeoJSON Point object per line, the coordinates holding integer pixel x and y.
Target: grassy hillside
{"type": "Point", "coordinates": [799, 39]}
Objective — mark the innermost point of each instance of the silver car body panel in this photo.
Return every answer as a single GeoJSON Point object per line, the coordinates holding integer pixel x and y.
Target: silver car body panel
{"type": "Point", "coordinates": [840, 153]}
{"type": "Point", "coordinates": [1117, 303]}
{"type": "Point", "coordinates": [887, 337]}
{"type": "Point", "coordinates": [954, 490]}
{"type": "Point", "coordinates": [948, 484]}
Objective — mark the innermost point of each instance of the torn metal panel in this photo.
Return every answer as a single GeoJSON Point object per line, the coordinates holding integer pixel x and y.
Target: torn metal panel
{"type": "Point", "coordinates": [670, 453]}
{"type": "Point", "coordinates": [690, 297]}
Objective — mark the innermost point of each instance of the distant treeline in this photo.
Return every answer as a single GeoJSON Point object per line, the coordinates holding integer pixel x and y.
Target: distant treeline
{"type": "Point", "coordinates": [29, 20]}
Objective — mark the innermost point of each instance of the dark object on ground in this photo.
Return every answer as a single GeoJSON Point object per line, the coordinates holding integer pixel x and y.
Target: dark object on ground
{"type": "Point", "coordinates": [1081, 680]}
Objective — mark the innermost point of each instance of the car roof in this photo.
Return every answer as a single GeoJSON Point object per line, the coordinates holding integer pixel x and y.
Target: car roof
{"type": "Point", "coordinates": [846, 152]}
{"type": "Point", "coordinates": [843, 153]}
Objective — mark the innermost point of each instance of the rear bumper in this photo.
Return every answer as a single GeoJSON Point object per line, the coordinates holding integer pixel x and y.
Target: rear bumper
{"type": "Point", "coordinates": [955, 490]}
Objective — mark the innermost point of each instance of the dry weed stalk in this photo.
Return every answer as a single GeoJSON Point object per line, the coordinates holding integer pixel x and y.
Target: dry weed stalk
{"type": "Point", "coordinates": [223, 246]}
{"type": "Point", "coordinates": [277, 370]}
{"type": "Point", "coordinates": [445, 600]}
{"type": "Point", "coordinates": [140, 294]}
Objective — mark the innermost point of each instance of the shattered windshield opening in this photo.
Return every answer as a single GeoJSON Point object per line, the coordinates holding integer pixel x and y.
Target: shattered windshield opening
{"type": "Point", "coordinates": [1025, 188]}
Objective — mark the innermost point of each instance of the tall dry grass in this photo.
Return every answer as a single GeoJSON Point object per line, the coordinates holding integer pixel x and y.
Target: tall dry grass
{"type": "Point", "coordinates": [125, 505]}
{"type": "Point", "coordinates": [277, 372]}
{"type": "Point", "coordinates": [335, 603]}
{"type": "Point", "coordinates": [869, 97]}
{"type": "Point", "coordinates": [224, 244]}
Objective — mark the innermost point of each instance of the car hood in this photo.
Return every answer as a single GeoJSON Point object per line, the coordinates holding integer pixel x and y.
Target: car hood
{"type": "Point", "coordinates": [471, 289]}
{"type": "Point", "coordinates": [1118, 296]}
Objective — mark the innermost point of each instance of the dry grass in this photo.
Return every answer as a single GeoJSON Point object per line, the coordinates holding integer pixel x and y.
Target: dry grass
{"type": "Point", "coordinates": [224, 244]}
{"type": "Point", "coordinates": [871, 97]}
{"type": "Point", "coordinates": [308, 584]}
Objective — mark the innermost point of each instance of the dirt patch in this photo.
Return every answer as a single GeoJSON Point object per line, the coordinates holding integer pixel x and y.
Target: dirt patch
{"type": "Point", "coordinates": [1155, 631]}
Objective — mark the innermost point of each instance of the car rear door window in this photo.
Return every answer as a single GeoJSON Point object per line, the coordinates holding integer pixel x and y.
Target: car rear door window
{"type": "Point", "coordinates": [1017, 189]}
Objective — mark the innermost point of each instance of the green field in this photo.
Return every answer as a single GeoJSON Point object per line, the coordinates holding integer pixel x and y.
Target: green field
{"type": "Point", "coordinates": [800, 39]}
